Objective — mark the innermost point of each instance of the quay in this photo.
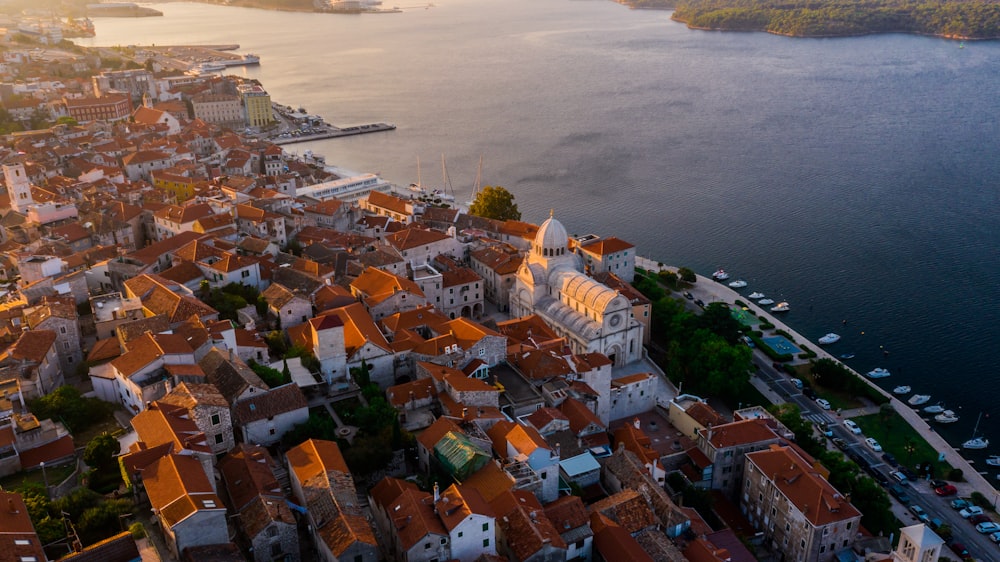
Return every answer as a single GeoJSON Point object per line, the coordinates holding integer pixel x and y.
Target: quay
{"type": "Point", "coordinates": [720, 292]}
{"type": "Point", "coordinates": [332, 132]}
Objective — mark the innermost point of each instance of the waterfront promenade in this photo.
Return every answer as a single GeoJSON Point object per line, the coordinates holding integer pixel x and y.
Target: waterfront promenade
{"type": "Point", "coordinates": [710, 290]}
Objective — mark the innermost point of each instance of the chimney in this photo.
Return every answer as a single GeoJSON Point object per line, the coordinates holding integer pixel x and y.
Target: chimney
{"type": "Point", "coordinates": [637, 423]}
{"type": "Point", "coordinates": [465, 413]}
{"type": "Point", "coordinates": [10, 504]}
{"type": "Point", "coordinates": [437, 493]}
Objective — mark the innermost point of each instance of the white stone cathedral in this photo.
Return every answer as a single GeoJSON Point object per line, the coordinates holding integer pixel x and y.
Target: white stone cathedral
{"type": "Point", "coordinates": [590, 315]}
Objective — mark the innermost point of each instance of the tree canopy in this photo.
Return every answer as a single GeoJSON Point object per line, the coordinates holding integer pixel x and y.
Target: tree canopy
{"type": "Point", "coordinates": [974, 19]}
{"type": "Point", "coordinates": [495, 202]}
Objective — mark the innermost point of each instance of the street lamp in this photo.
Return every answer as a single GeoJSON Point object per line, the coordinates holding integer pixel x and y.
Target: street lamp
{"type": "Point", "coordinates": [45, 478]}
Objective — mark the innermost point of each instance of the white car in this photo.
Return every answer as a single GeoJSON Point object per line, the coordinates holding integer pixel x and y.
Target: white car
{"type": "Point", "coordinates": [874, 444]}
{"type": "Point", "coordinates": [849, 424]}
{"type": "Point", "coordinates": [823, 403]}
{"type": "Point", "coordinates": [970, 511]}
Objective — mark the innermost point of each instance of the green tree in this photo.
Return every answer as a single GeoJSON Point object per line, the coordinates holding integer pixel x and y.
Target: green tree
{"type": "Point", "coordinates": [102, 521]}
{"type": "Point", "coordinates": [100, 452]}
{"type": "Point", "coordinates": [687, 275]}
{"type": "Point", "coordinates": [76, 502]}
{"type": "Point", "coordinates": [495, 202]}
{"type": "Point", "coordinates": [67, 404]}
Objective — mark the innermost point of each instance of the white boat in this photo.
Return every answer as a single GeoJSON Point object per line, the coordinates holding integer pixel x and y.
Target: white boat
{"type": "Point", "coordinates": [878, 373]}
{"type": "Point", "coordinates": [738, 284]}
{"type": "Point", "coordinates": [902, 389]}
{"type": "Point", "coordinates": [755, 295]}
{"type": "Point", "coordinates": [935, 409]}
{"type": "Point", "coordinates": [720, 275]}
{"type": "Point", "coordinates": [977, 442]}
{"type": "Point", "coordinates": [765, 302]}
{"type": "Point", "coordinates": [780, 307]}
{"type": "Point", "coordinates": [919, 399]}
{"type": "Point", "coordinates": [829, 338]}
{"type": "Point", "coordinates": [946, 416]}
{"type": "Point", "coordinates": [993, 460]}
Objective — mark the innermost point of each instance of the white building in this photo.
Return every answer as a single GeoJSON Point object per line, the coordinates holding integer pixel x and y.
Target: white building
{"type": "Point", "coordinates": [591, 316]}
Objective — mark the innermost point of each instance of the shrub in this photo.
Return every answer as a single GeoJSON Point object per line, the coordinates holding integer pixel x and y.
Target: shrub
{"type": "Point", "coordinates": [137, 530]}
{"type": "Point", "coordinates": [739, 303]}
{"type": "Point", "coordinates": [955, 475]}
{"type": "Point", "coordinates": [766, 326]}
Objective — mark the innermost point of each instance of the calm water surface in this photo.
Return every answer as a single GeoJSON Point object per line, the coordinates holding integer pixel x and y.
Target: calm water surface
{"type": "Point", "coordinates": [856, 178]}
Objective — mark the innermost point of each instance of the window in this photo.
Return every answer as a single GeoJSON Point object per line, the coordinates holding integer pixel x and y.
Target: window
{"type": "Point", "coordinates": [62, 329]}
{"type": "Point", "coordinates": [427, 545]}
{"type": "Point", "coordinates": [272, 532]}
{"type": "Point", "coordinates": [460, 533]}
{"type": "Point", "coordinates": [486, 543]}
{"type": "Point", "coordinates": [271, 432]}
{"type": "Point", "coordinates": [486, 527]}
{"type": "Point", "coordinates": [216, 419]}
{"type": "Point", "coordinates": [482, 352]}
{"type": "Point", "coordinates": [218, 438]}
{"type": "Point", "coordinates": [276, 549]}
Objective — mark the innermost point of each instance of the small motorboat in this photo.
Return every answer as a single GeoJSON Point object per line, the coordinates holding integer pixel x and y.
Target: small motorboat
{"type": "Point", "coordinates": [850, 356]}
{"type": "Point", "coordinates": [878, 373]}
{"type": "Point", "coordinates": [919, 399]}
{"type": "Point", "coordinates": [720, 275]}
{"type": "Point", "coordinates": [780, 307]}
{"type": "Point", "coordinates": [993, 460]}
{"type": "Point", "coordinates": [902, 389]}
{"type": "Point", "coordinates": [765, 302]}
{"type": "Point", "coordinates": [755, 295]}
{"type": "Point", "coordinates": [829, 338]}
{"type": "Point", "coordinates": [738, 284]}
{"type": "Point", "coordinates": [946, 416]}
{"type": "Point", "coordinates": [976, 443]}
{"type": "Point", "coordinates": [935, 409]}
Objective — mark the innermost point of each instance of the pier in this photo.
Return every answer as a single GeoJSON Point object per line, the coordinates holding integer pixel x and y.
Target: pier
{"type": "Point", "coordinates": [332, 132]}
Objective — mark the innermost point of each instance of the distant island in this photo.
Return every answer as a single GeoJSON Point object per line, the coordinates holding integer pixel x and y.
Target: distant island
{"type": "Point", "coordinates": [973, 19]}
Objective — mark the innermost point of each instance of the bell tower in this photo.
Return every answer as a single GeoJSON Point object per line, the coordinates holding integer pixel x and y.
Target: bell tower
{"type": "Point", "coordinates": [18, 187]}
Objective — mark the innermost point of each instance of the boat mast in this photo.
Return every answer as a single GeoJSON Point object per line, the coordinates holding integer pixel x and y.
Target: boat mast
{"type": "Point", "coordinates": [446, 187]}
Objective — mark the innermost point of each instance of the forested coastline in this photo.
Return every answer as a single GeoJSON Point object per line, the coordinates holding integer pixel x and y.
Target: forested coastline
{"type": "Point", "coordinates": [834, 18]}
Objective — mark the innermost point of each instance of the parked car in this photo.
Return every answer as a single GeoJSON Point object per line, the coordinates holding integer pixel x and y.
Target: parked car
{"type": "Point", "coordinates": [890, 460]}
{"type": "Point", "coordinates": [959, 549]}
{"type": "Point", "coordinates": [935, 484]}
{"type": "Point", "coordinates": [699, 302]}
{"type": "Point", "coordinates": [946, 490]}
{"type": "Point", "coordinates": [995, 537]}
{"type": "Point", "coordinates": [971, 510]}
{"type": "Point", "coordinates": [797, 383]}
{"type": "Point", "coordinates": [981, 518]}
{"type": "Point", "coordinates": [871, 442]}
{"type": "Point", "coordinates": [899, 493]}
{"type": "Point", "coordinates": [959, 503]}
{"type": "Point", "coordinates": [823, 403]}
{"type": "Point", "coordinates": [898, 477]}
{"type": "Point", "coordinates": [988, 527]}
{"type": "Point", "coordinates": [825, 429]}
{"type": "Point", "coordinates": [935, 523]}
{"type": "Point", "coordinates": [688, 295]}
{"type": "Point", "coordinates": [809, 393]}
{"type": "Point", "coordinates": [840, 443]}
{"type": "Point", "coordinates": [920, 513]}
{"type": "Point", "coordinates": [853, 427]}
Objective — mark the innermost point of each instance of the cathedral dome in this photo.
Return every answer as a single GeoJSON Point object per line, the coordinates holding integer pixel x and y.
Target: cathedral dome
{"type": "Point", "coordinates": [551, 236]}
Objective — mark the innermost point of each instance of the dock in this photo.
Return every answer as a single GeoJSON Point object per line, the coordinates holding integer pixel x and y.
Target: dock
{"type": "Point", "coordinates": [334, 132]}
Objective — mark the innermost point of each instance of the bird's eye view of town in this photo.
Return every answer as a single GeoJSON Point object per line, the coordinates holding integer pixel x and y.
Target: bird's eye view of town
{"type": "Point", "coordinates": [486, 281]}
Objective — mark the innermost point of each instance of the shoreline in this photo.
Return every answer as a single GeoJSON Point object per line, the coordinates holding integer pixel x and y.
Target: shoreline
{"type": "Point", "coordinates": [723, 293]}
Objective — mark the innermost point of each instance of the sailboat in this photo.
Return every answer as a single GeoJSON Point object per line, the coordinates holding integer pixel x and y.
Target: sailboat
{"type": "Point", "coordinates": [976, 442]}
{"type": "Point", "coordinates": [417, 187]}
{"type": "Point", "coordinates": [444, 193]}
{"type": "Point", "coordinates": [479, 180]}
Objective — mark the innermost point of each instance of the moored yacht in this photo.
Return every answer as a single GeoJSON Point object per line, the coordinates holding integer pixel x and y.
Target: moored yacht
{"type": "Point", "coordinates": [935, 409]}
{"type": "Point", "coordinates": [755, 295]}
{"type": "Point", "coordinates": [918, 399]}
{"type": "Point", "coordinates": [993, 460]}
{"type": "Point", "coordinates": [780, 307]}
{"type": "Point", "coordinates": [946, 416]}
{"type": "Point", "coordinates": [878, 373]}
{"type": "Point", "coordinates": [829, 338]}
{"type": "Point", "coordinates": [720, 275]}
{"type": "Point", "coordinates": [765, 302]}
{"type": "Point", "coordinates": [738, 284]}
{"type": "Point", "coordinates": [902, 389]}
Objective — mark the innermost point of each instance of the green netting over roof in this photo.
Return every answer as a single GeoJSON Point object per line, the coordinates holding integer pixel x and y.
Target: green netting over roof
{"type": "Point", "coordinates": [459, 456]}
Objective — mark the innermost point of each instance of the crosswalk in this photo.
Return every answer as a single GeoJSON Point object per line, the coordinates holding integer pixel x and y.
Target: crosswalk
{"type": "Point", "coordinates": [818, 417]}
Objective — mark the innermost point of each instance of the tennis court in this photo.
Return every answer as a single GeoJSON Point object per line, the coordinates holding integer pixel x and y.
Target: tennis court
{"type": "Point", "coordinates": [781, 344]}
{"type": "Point", "coordinates": [744, 317]}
